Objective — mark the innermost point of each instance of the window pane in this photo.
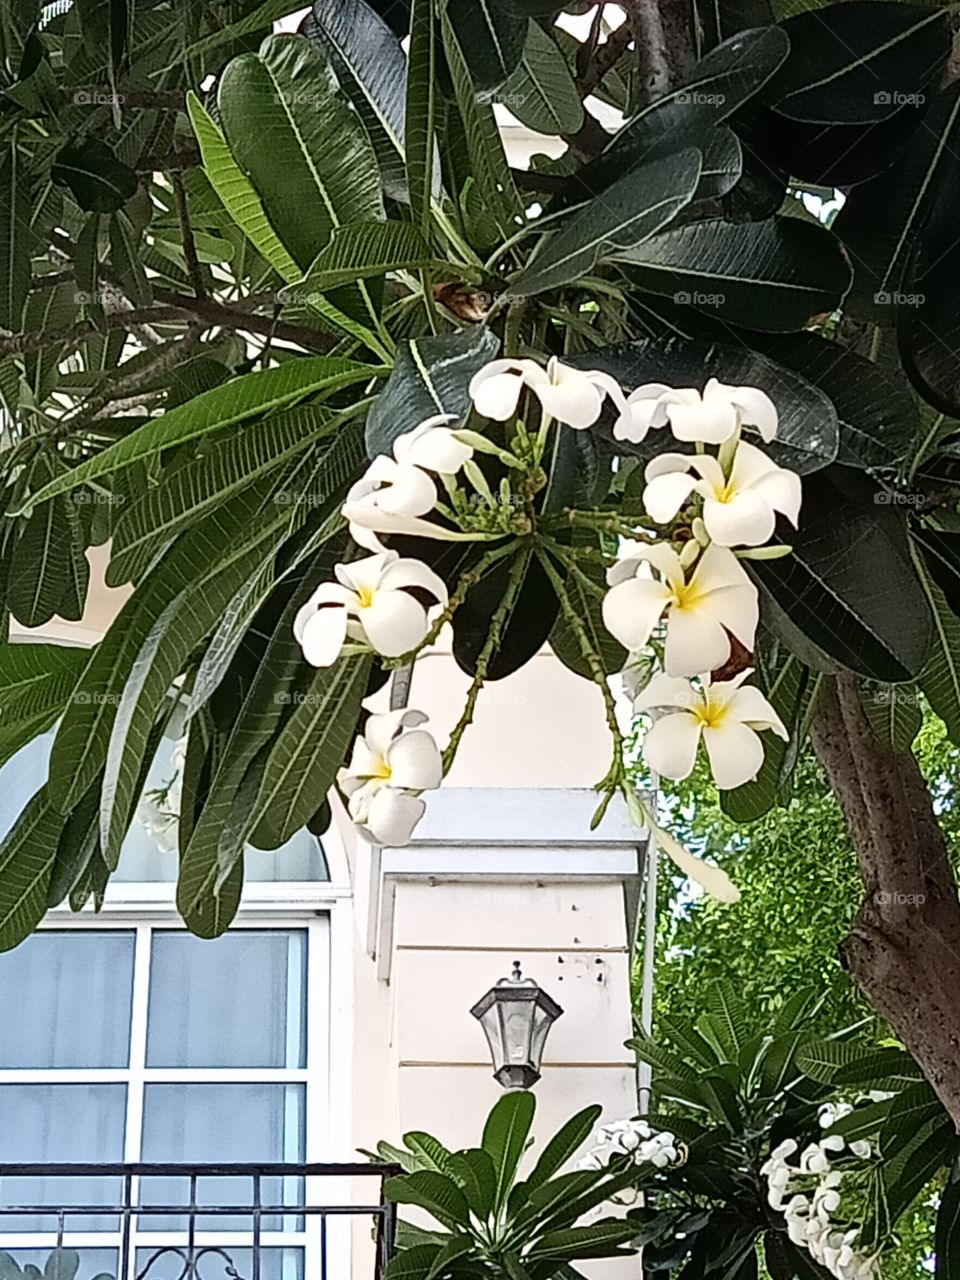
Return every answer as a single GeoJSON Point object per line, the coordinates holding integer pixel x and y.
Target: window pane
{"type": "Point", "coordinates": [216, 1264]}
{"type": "Point", "coordinates": [93, 1262]}
{"type": "Point", "coordinates": [80, 987]}
{"type": "Point", "coordinates": [236, 1002]}
{"type": "Point", "coordinates": [223, 1123]}
{"type": "Point", "coordinates": [61, 1124]}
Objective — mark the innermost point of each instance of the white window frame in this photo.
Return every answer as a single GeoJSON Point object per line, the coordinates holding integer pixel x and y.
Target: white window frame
{"type": "Point", "coordinates": [323, 910]}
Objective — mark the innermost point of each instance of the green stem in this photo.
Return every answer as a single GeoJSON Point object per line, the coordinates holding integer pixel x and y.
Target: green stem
{"type": "Point", "coordinates": [490, 646]}
{"type": "Point", "coordinates": [615, 774]}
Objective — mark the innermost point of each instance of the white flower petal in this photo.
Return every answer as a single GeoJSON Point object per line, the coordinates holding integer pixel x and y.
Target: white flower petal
{"type": "Point", "coordinates": [364, 575]}
{"type": "Point", "coordinates": [666, 494]}
{"type": "Point", "coordinates": [365, 538]}
{"type": "Point", "coordinates": [667, 691]}
{"type": "Point", "coordinates": [321, 636]}
{"type": "Point", "coordinates": [575, 402]}
{"type": "Point", "coordinates": [670, 745]}
{"type": "Point", "coordinates": [783, 490]}
{"type": "Point", "coordinates": [379, 521]}
{"type": "Point", "coordinates": [735, 753]}
{"type": "Point", "coordinates": [746, 520]}
{"type": "Point", "coordinates": [392, 816]}
{"type": "Point", "coordinates": [414, 573]}
{"type": "Point", "coordinates": [713, 880]}
{"type": "Point", "coordinates": [694, 641]}
{"type": "Point", "coordinates": [756, 407]}
{"type": "Point", "coordinates": [709, 422]}
{"type": "Point", "coordinates": [632, 609]}
{"type": "Point", "coordinates": [749, 706]}
{"type": "Point", "coordinates": [434, 447]}
{"type": "Point", "coordinates": [415, 762]}
{"type": "Point", "coordinates": [495, 389]}
{"type": "Point", "coordinates": [394, 623]}
{"type": "Point", "coordinates": [412, 493]}
{"type": "Point", "coordinates": [328, 593]}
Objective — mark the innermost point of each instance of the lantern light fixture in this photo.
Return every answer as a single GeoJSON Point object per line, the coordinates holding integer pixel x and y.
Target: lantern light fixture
{"type": "Point", "coordinates": [516, 1016]}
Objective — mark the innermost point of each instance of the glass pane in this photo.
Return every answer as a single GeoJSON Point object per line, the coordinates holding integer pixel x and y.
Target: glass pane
{"type": "Point", "coordinates": [221, 1264]}
{"type": "Point", "coordinates": [61, 1124]}
{"type": "Point", "coordinates": [93, 1262]}
{"type": "Point", "coordinates": [80, 985]}
{"type": "Point", "coordinates": [222, 1123]}
{"type": "Point", "coordinates": [21, 776]}
{"type": "Point", "coordinates": [236, 1002]}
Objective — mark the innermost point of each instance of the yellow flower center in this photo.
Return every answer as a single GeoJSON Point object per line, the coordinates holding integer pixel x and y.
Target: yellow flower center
{"type": "Point", "coordinates": [381, 770]}
{"type": "Point", "coordinates": [365, 596]}
{"type": "Point", "coordinates": [686, 596]}
{"type": "Point", "coordinates": [712, 715]}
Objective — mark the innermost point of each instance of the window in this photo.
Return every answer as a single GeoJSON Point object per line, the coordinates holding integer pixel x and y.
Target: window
{"type": "Point", "coordinates": [142, 1043]}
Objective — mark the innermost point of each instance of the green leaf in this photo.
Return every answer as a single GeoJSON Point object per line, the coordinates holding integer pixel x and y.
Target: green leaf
{"type": "Point", "coordinates": [358, 251]}
{"type": "Point", "coordinates": [905, 1175]}
{"type": "Point", "coordinates": [947, 1234]}
{"type": "Point", "coordinates": [630, 211]}
{"type": "Point", "coordinates": [858, 63]}
{"type": "Point", "coordinates": [250, 395]}
{"type": "Point", "coordinates": [412, 1264]}
{"type": "Point", "coordinates": [15, 239]}
{"type": "Point", "coordinates": [849, 585]}
{"type": "Point", "coordinates": [431, 376]}
{"type": "Point", "coordinates": [37, 678]}
{"type": "Point", "coordinates": [563, 640]}
{"type": "Point", "coordinates": [262, 16]}
{"type": "Point", "coordinates": [62, 1264]}
{"type": "Point", "coordinates": [563, 1145]}
{"type": "Point", "coordinates": [420, 112]}
{"type": "Point", "coordinates": [458, 1247]}
{"type": "Point", "coordinates": [185, 493]}
{"type": "Point", "coordinates": [126, 260]}
{"type": "Point", "coordinates": [894, 712]}
{"type": "Point", "coordinates": [940, 677]}
{"type": "Point", "coordinates": [723, 1003]}
{"type": "Point", "coordinates": [27, 855]}
{"type": "Point", "coordinates": [438, 1195]}
{"type": "Point", "coordinates": [490, 37]}
{"type": "Point", "coordinates": [294, 133]}
{"type": "Point", "coordinates": [880, 222]}
{"type": "Point", "coordinates": [41, 555]}
{"type": "Point", "coordinates": [771, 275]}
{"type": "Point", "coordinates": [505, 1137]}
{"type": "Point", "coordinates": [599, 1240]}
{"type": "Point", "coordinates": [911, 1109]}
{"type": "Point", "coordinates": [237, 192]}
{"type": "Point", "coordinates": [183, 620]}
{"type": "Point", "coordinates": [372, 69]}
{"type": "Point", "coordinates": [309, 750]}
{"type": "Point", "coordinates": [541, 92]}
{"type": "Point", "coordinates": [97, 179]}
{"type": "Point", "coordinates": [474, 1171]}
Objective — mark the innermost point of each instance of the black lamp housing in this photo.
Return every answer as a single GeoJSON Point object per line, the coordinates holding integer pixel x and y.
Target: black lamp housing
{"type": "Point", "coordinates": [516, 1016]}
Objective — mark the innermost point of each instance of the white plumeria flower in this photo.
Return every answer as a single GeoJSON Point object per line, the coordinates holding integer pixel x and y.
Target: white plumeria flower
{"type": "Point", "coordinates": [728, 716]}
{"type": "Point", "coordinates": [718, 598]}
{"type": "Point", "coordinates": [739, 510]}
{"type": "Point", "coordinates": [394, 492]}
{"type": "Point", "coordinates": [371, 602]}
{"type": "Point", "coordinates": [712, 418]}
{"type": "Point", "coordinates": [391, 764]}
{"type": "Point", "coordinates": [571, 396]}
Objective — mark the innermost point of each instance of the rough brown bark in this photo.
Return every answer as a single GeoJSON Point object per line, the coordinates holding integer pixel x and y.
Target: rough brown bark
{"type": "Point", "coordinates": [904, 944]}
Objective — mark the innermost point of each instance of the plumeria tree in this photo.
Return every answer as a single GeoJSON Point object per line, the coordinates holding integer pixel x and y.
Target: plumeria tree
{"type": "Point", "coordinates": [282, 325]}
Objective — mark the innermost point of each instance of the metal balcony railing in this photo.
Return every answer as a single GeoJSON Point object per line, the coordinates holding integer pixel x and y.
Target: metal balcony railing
{"type": "Point", "coordinates": [201, 1221]}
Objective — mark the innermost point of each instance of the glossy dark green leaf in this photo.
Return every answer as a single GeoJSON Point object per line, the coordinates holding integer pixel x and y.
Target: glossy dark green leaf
{"type": "Point", "coordinates": [41, 555]}
{"type": "Point", "coordinates": [525, 630]}
{"type": "Point", "coordinates": [629, 212]}
{"type": "Point", "coordinates": [541, 92]}
{"type": "Point", "coordinates": [505, 1136]}
{"type": "Point", "coordinates": [27, 855]}
{"type": "Point", "coordinates": [430, 376]}
{"type": "Point", "coordinates": [850, 584]}
{"type": "Point", "coordinates": [296, 135]}
{"type": "Point", "coordinates": [372, 69]}
{"type": "Point", "coordinates": [563, 640]}
{"type": "Point", "coordinates": [858, 62]}
{"type": "Point", "coordinates": [808, 433]}
{"type": "Point", "coordinates": [98, 180]}
{"type": "Point", "coordinates": [420, 112]}
{"type": "Point", "coordinates": [16, 239]}
{"type": "Point", "coordinates": [438, 1195]}
{"type": "Point", "coordinates": [881, 220]}
{"type": "Point", "coordinates": [879, 424]}
{"type": "Point", "coordinates": [772, 275]}
{"type": "Point", "coordinates": [491, 37]}
{"type": "Point", "coordinates": [947, 1233]}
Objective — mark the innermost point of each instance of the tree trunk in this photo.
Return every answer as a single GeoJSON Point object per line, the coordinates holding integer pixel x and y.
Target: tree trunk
{"type": "Point", "coordinates": [904, 944]}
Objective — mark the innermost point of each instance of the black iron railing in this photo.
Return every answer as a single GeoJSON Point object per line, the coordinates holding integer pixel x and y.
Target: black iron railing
{"type": "Point", "coordinates": [173, 1214]}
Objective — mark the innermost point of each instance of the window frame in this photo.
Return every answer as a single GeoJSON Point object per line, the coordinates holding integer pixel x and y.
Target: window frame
{"type": "Point", "coordinates": [323, 911]}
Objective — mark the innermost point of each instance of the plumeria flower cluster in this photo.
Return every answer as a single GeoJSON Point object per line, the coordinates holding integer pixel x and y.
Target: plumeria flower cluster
{"type": "Point", "coordinates": [633, 1138]}
{"type": "Point", "coordinates": [392, 763]}
{"type": "Point", "coordinates": [808, 1195]}
{"type": "Point", "coordinates": [678, 587]}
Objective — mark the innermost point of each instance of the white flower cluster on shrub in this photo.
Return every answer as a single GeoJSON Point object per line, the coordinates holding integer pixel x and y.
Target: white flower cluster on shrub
{"type": "Point", "coordinates": [633, 1138]}
{"type": "Point", "coordinates": [808, 1195]}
